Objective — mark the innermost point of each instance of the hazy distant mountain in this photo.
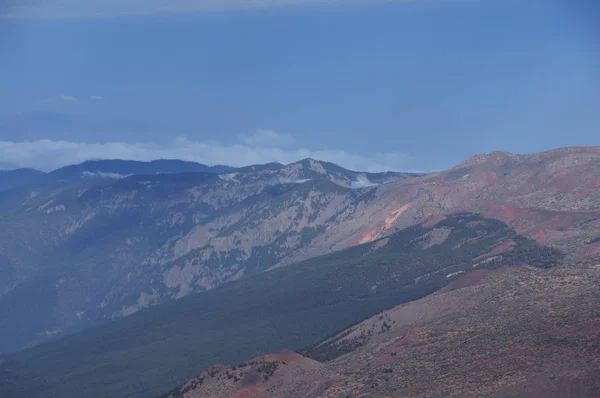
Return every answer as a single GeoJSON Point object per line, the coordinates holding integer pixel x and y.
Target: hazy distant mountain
{"type": "Point", "coordinates": [96, 169]}
{"type": "Point", "coordinates": [100, 249]}
{"type": "Point", "coordinates": [10, 179]}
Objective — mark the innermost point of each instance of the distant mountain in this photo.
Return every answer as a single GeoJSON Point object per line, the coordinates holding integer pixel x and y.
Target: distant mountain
{"type": "Point", "coordinates": [98, 169]}
{"type": "Point", "coordinates": [11, 179]}
{"type": "Point", "coordinates": [290, 307]}
{"type": "Point", "coordinates": [101, 249]}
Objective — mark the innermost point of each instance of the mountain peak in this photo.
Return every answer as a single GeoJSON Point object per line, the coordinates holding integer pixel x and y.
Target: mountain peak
{"type": "Point", "coordinates": [309, 161]}
{"type": "Point", "coordinates": [494, 156]}
{"type": "Point", "coordinates": [498, 158]}
{"type": "Point", "coordinates": [313, 164]}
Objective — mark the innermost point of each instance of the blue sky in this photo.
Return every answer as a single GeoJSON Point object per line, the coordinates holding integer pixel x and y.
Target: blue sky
{"type": "Point", "coordinates": [404, 85]}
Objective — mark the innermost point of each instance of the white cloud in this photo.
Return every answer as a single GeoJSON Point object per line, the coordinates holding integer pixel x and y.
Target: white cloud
{"type": "Point", "coordinates": [268, 138]}
{"type": "Point", "coordinates": [111, 8]}
{"type": "Point", "coordinates": [115, 176]}
{"type": "Point", "coordinates": [49, 154]}
{"type": "Point", "coordinates": [290, 181]}
{"type": "Point", "coordinates": [71, 98]}
{"type": "Point", "coordinates": [62, 97]}
{"type": "Point", "coordinates": [68, 98]}
{"type": "Point", "coordinates": [362, 182]}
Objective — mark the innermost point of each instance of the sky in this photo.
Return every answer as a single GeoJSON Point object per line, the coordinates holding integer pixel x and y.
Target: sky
{"type": "Point", "coordinates": [407, 85]}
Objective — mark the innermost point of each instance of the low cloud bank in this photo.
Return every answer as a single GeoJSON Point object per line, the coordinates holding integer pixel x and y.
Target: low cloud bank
{"type": "Point", "coordinates": [115, 176]}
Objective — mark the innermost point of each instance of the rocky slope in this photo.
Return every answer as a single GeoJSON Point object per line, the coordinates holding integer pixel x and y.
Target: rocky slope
{"type": "Point", "coordinates": [78, 255]}
{"type": "Point", "coordinates": [521, 332]}
{"type": "Point", "coordinates": [553, 197]}
{"type": "Point", "coordinates": [149, 352]}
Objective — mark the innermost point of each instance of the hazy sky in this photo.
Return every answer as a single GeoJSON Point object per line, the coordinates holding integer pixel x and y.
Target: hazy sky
{"type": "Point", "coordinates": [404, 85]}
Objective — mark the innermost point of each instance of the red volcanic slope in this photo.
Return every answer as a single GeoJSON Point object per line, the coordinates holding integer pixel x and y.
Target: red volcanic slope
{"type": "Point", "coordinates": [547, 196]}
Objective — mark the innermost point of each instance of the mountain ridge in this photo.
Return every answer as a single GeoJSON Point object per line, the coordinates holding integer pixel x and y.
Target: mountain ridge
{"type": "Point", "coordinates": [164, 237]}
{"type": "Point", "coordinates": [142, 224]}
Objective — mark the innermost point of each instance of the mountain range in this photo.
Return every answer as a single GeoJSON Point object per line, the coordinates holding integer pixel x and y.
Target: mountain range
{"type": "Point", "coordinates": [106, 247]}
{"type": "Point", "coordinates": [98, 170]}
{"type": "Point", "coordinates": [155, 252]}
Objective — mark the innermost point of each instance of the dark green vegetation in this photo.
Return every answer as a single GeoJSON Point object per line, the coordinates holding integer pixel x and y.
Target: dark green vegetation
{"type": "Point", "coordinates": [151, 351]}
